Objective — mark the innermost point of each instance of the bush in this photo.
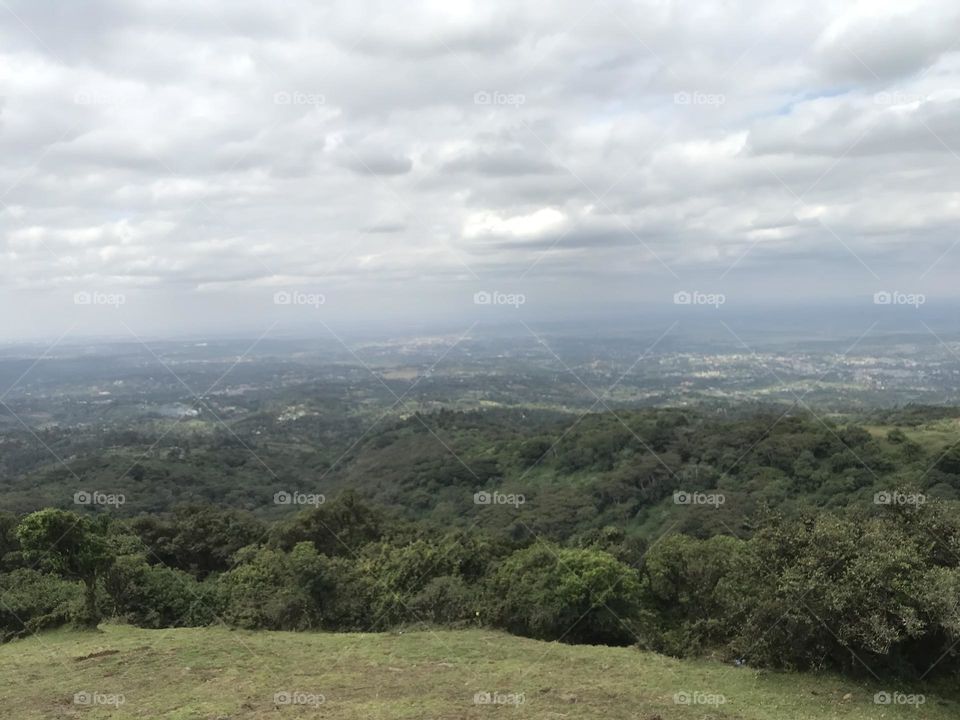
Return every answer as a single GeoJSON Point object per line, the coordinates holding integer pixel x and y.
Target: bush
{"type": "Point", "coordinates": [339, 527]}
{"type": "Point", "coordinates": [156, 596]}
{"type": "Point", "coordinates": [275, 590]}
{"type": "Point", "coordinates": [691, 589]}
{"type": "Point", "coordinates": [199, 539]}
{"type": "Point", "coordinates": [854, 594]}
{"type": "Point", "coordinates": [421, 581]}
{"type": "Point", "coordinates": [574, 595]}
{"type": "Point", "coordinates": [445, 600]}
{"type": "Point", "coordinates": [33, 601]}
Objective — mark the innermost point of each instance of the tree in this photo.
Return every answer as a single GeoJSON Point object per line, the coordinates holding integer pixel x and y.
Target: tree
{"type": "Point", "coordinates": [72, 546]}
{"type": "Point", "coordinates": [574, 595]}
{"type": "Point", "coordinates": [9, 547]}
{"type": "Point", "coordinates": [276, 590]}
{"type": "Point", "coordinates": [200, 539]}
{"type": "Point", "coordinates": [156, 596]}
{"type": "Point", "coordinates": [340, 527]}
{"type": "Point", "coordinates": [877, 592]}
{"type": "Point", "coordinates": [691, 589]}
{"type": "Point", "coordinates": [949, 462]}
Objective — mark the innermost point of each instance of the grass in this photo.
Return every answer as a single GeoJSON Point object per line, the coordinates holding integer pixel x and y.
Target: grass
{"type": "Point", "coordinates": [214, 673]}
{"type": "Point", "coordinates": [934, 437]}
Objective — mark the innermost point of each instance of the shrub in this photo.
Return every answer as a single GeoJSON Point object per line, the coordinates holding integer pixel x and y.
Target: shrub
{"type": "Point", "coordinates": [574, 595]}
{"type": "Point", "coordinates": [420, 581]}
{"type": "Point", "coordinates": [691, 589]}
{"type": "Point", "coordinates": [33, 601]}
{"type": "Point", "coordinates": [275, 590]}
{"type": "Point", "coordinates": [854, 594]}
{"type": "Point", "coordinates": [339, 527]}
{"type": "Point", "coordinates": [445, 600]}
{"type": "Point", "coordinates": [199, 539]}
{"type": "Point", "coordinates": [157, 596]}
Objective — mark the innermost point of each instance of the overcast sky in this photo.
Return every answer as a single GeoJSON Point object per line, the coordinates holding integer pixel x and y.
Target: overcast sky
{"type": "Point", "coordinates": [189, 160]}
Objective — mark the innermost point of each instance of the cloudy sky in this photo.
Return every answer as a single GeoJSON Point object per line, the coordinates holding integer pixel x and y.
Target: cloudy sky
{"type": "Point", "coordinates": [175, 165]}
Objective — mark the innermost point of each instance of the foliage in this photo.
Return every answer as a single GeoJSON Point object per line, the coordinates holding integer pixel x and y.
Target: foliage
{"type": "Point", "coordinates": [274, 589]}
{"type": "Point", "coordinates": [690, 589]}
{"type": "Point", "coordinates": [855, 593]}
{"type": "Point", "coordinates": [154, 596]}
{"type": "Point", "coordinates": [71, 546]}
{"type": "Point", "coordinates": [338, 528]}
{"type": "Point", "coordinates": [34, 601]}
{"type": "Point", "coordinates": [200, 539]}
{"type": "Point", "coordinates": [574, 595]}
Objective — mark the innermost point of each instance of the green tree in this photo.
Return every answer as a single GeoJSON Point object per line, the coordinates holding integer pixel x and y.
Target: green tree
{"type": "Point", "coordinates": [34, 601]}
{"type": "Point", "coordinates": [339, 527]}
{"type": "Point", "coordinates": [574, 595]}
{"type": "Point", "coordinates": [690, 591]}
{"type": "Point", "coordinates": [9, 547]}
{"type": "Point", "coordinates": [200, 539]}
{"type": "Point", "coordinates": [276, 590]}
{"type": "Point", "coordinates": [72, 546]}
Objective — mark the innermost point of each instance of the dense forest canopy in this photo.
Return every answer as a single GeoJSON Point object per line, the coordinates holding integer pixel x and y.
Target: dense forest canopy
{"type": "Point", "coordinates": [687, 531]}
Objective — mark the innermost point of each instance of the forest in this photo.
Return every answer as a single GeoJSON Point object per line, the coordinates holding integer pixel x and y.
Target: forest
{"type": "Point", "coordinates": [765, 537]}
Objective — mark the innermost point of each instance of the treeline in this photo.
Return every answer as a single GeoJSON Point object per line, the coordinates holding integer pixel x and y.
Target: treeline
{"type": "Point", "coordinates": [856, 591]}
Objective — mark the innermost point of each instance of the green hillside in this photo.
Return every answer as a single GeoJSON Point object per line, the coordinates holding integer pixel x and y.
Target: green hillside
{"type": "Point", "coordinates": [219, 674]}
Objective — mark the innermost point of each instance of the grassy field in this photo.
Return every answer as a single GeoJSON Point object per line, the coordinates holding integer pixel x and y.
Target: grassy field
{"type": "Point", "coordinates": [229, 675]}
{"type": "Point", "coordinates": [934, 437]}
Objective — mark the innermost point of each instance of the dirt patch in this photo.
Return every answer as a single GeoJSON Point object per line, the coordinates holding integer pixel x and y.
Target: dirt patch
{"type": "Point", "coordinates": [102, 653]}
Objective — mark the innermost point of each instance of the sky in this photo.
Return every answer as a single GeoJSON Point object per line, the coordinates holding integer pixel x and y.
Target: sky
{"type": "Point", "coordinates": [175, 167]}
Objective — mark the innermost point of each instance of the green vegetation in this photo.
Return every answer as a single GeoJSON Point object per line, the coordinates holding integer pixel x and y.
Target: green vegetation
{"type": "Point", "coordinates": [73, 547]}
{"type": "Point", "coordinates": [763, 539]}
{"type": "Point", "coordinates": [862, 593]}
{"type": "Point", "coordinates": [575, 473]}
{"type": "Point", "coordinates": [217, 673]}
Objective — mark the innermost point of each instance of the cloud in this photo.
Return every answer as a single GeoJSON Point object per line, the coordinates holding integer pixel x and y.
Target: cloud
{"type": "Point", "coordinates": [518, 226]}
{"type": "Point", "coordinates": [882, 41]}
{"type": "Point", "coordinates": [219, 145]}
{"type": "Point", "coordinates": [375, 163]}
{"type": "Point", "coordinates": [502, 163]}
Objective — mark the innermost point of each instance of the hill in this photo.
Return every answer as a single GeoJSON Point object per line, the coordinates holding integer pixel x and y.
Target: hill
{"type": "Point", "coordinates": [214, 673]}
{"type": "Point", "coordinates": [576, 473]}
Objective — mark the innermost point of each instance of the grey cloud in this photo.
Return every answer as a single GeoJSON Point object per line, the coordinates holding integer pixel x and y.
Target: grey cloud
{"type": "Point", "coordinates": [366, 162]}
{"type": "Point", "coordinates": [884, 45]}
{"type": "Point", "coordinates": [502, 163]}
{"type": "Point", "coordinates": [385, 228]}
{"type": "Point", "coordinates": [212, 145]}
